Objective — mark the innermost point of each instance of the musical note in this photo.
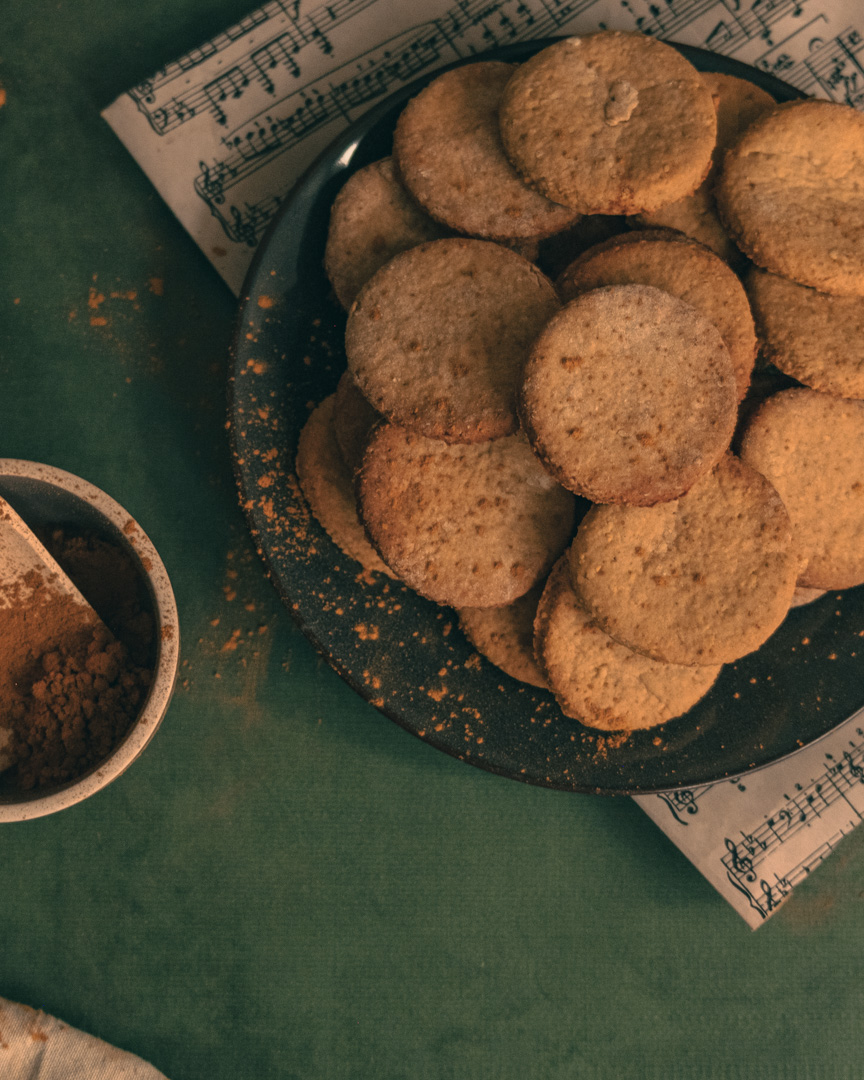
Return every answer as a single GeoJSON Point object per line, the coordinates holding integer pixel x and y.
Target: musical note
{"type": "Point", "coordinates": [276, 82]}
{"type": "Point", "coordinates": [753, 843]}
{"type": "Point", "coordinates": [294, 33]}
{"type": "Point", "coordinates": [281, 51]}
{"type": "Point", "coordinates": [183, 110]}
{"type": "Point", "coordinates": [232, 84]}
{"type": "Point", "coordinates": [320, 38]}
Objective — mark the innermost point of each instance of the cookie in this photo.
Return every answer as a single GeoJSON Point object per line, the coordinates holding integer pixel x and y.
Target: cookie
{"type": "Point", "coordinates": [696, 217]}
{"type": "Point", "coordinates": [467, 525]}
{"type": "Point", "coordinates": [738, 103]}
{"type": "Point", "coordinates": [765, 381]}
{"type": "Point", "coordinates": [372, 219]}
{"type": "Point", "coordinates": [678, 266]}
{"type": "Point", "coordinates": [505, 636]}
{"type": "Point", "coordinates": [448, 149]}
{"type": "Point", "coordinates": [610, 123]}
{"type": "Point", "coordinates": [599, 682]}
{"type": "Point", "coordinates": [812, 336]}
{"type": "Point", "coordinates": [811, 447]}
{"type": "Point", "coordinates": [629, 395]}
{"type": "Point", "coordinates": [702, 580]}
{"type": "Point", "coordinates": [353, 420]}
{"type": "Point", "coordinates": [791, 193]}
{"type": "Point", "coordinates": [803, 596]}
{"type": "Point", "coordinates": [437, 339]}
{"type": "Point", "coordinates": [328, 487]}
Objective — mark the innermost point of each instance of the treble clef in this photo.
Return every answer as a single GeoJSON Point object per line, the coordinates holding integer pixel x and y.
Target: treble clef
{"type": "Point", "coordinates": [856, 770]}
{"type": "Point", "coordinates": [770, 902]}
{"type": "Point", "coordinates": [741, 864]}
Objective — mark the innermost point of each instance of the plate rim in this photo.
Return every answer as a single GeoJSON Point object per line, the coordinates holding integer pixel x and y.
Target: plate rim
{"type": "Point", "coordinates": [344, 146]}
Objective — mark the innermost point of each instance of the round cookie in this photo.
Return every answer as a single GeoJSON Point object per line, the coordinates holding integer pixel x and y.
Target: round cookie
{"type": "Point", "coordinates": [629, 395]}
{"type": "Point", "coordinates": [372, 219]}
{"type": "Point", "coordinates": [791, 193]}
{"type": "Point", "coordinates": [702, 580]}
{"type": "Point", "coordinates": [437, 339]}
{"type": "Point", "coordinates": [327, 485]}
{"type": "Point", "coordinates": [610, 123]}
{"type": "Point", "coordinates": [682, 268]}
{"type": "Point", "coordinates": [811, 447]}
{"type": "Point", "coordinates": [738, 103]}
{"type": "Point", "coordinates": [696, 217]}
{"type": "Point", "coordinates": [448, 149]}
{"type": "Point", "coordinates": [599, 682]}
{"type": "Point", "coordinates": [467, 525]}
{"type": "Point", "coordinates": [353, 420]}
{"type": "Point", "coordinates": [816, 338]}
{"type": "Point", "coordinates": [505, 636]}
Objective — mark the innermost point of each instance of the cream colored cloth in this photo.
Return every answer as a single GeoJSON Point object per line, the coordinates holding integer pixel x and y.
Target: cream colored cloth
{"type": "Point", "coordinates": [36, 1046]}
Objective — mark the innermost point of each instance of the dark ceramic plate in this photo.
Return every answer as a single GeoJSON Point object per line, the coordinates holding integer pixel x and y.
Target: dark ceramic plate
{"type": "Point", "coordinates": [407, 656]}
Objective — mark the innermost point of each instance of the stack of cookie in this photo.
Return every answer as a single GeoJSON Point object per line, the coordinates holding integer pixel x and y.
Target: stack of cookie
{"type": "Point", "coordinates": [483, 405]}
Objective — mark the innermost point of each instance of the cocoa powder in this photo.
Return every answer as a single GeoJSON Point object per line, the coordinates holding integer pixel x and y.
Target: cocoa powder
{"type": "Point", "coordinates": [70, 696]}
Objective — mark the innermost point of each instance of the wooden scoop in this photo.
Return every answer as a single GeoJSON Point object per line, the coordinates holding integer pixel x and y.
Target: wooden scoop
{"type": "Point", "coordinates": [30, 580]}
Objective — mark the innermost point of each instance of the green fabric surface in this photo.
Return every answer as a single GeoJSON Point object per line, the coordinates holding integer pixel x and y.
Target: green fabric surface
{"type": "Point", "coordinates": [286, 884]}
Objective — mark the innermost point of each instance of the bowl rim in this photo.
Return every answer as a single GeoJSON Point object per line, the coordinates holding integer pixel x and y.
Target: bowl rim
{"type": "Point", "coordinates": [168, 644]}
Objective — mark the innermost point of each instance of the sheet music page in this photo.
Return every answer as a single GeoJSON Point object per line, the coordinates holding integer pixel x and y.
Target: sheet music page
{"type": "Point", "coordinates": [224, 132]}
{"type": "Point", "coordinates": [754, 838]}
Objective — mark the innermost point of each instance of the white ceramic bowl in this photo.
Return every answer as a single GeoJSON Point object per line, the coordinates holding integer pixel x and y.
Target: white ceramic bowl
{"type": "Point", "coordinates": [43, 495]}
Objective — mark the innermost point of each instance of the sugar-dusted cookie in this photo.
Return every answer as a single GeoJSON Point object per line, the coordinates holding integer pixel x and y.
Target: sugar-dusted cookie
{"type": "Point", "coordinates": [448, 149]}
{"type": "Point", "coordinates": [505, 635]}
{"type": "Point", "coordinates": [437, 339]}
{"type": "Point", "coordinates": [813, 336]}
{"type": "Point", "coordinates": [791, 193]}
{"type": "Point", "coordinates": [738, 103]}
{"type": "Point", "coordinates": [629, 395]}
{"type": "Point", "coordinates": [469, 525]}
{"type": "Point", "coordinates": [701, 580]}
{"type": "Point", "coordinates": [679, 266]}
{"type": "Point", "coordinates": [609, 123]}
{"type": "Point", "coordinates": [811, 447]}
{"type": "Point", "coordinates": [599, 682]}
{"type": "Point", "coordinates": [372, 219]}
{"type": "Point", "coordinates": [353, 420]}
{"type": "Point", "coordinates": [326, 482]}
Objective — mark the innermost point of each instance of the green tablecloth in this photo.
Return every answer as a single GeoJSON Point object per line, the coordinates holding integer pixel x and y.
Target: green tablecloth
{"type": "Point", "coordinates": [286, 884]}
